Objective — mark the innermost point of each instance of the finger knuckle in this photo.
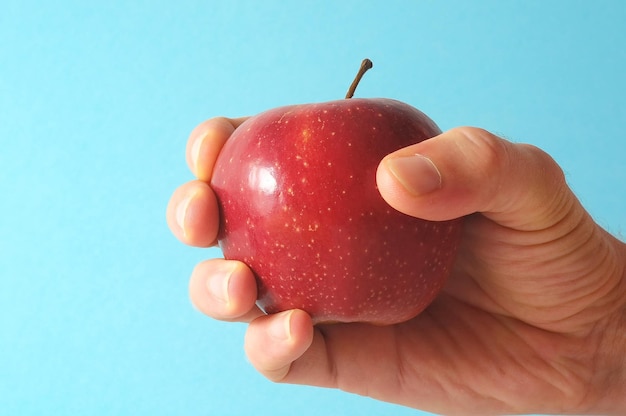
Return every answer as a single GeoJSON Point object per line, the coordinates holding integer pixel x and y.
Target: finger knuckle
{"type": "Point", "coordinates": [490, 152]}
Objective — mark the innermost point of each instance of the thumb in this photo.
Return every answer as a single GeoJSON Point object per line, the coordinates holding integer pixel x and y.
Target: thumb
{"type": "Point", "coordinates": [468, 170]}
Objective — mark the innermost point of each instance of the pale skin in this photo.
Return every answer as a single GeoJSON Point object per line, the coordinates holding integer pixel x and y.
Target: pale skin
{"type": "Point", "coordinates": [532, 319]}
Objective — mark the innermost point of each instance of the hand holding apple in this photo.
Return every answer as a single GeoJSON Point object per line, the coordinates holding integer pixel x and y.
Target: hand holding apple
{"type": "Point", "coordinates": [531, 320]}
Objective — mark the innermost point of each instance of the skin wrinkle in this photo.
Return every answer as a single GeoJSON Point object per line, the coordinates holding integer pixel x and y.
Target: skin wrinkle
{"type": "Point", "coordinates": [617, 350]}
{"type": "Point", "coordinates": [568, 223]}
{"type": "Point", "coordinates": [592, 292]}
{"type": "Point", "coordinates": [449, 345]}
{"type": "Point", "coordinates": [588, 393]}
{"type": "Point", "coordinates": [495, 160]}
{"type": "Point", "coordinates": [562, 225]}
{"type": "Point", "coordinates": [620, 272]}
{"type": "Point", "coordinates": [563, 386]}
{"type": "Point", "coordinates": [562, 206]}
{"type": "Point", "coordinates": [502, 368]}
{"type": "Point", "coordinates": [400, 364]}
{"type": "Point", "coordinates": [440, 382]}
{"type": "Point", "coordinates": [589, 369]}
{"type": "Point", "coordinates": [559, 380]}
{"type": "Point", "coordinates": [555, 263]}
{"type": "Point", "coordinates": [610, 349]}
{"type": "Point", "coordinates": [498, 372]}
{"type": "Point", "coordinates": [490, 282]}
{"type": "Point", "coordinates": [575, 239]}
{"type": "Point", "coordinates": [607, 286]}
{"type": "Point", "coordinates": [551, 202]}
{"type": "Point", "coordinates": [552, 209]}
{"type": "Point", "coordinates": [392, 385]}
{"type": "Point", "coordinates": [304, 366]}
{"type": "Point", "coordinates": [333, 373]}
{"type": "Point", "coordinates": [435, 385]}
{"type": "Point", "coordinates": [555, 360]}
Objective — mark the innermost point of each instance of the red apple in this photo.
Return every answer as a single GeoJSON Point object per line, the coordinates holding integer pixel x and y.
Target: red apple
{"type": "Point", "coordinates": [299, 205]}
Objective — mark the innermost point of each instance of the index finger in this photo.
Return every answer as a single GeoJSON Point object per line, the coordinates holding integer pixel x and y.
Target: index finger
{"type": "Point", "coordinates": [205, 143]}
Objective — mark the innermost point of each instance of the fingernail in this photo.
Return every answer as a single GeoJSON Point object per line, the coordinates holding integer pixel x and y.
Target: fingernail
{"type": "Point", "coordinates": [195, 151]}
{"type": "Point", "coordinates": [280, 328]}
{"type": "Point", "coordinates": [218, 284]}
{"type": "Point", "coordinates": [197, 136]}
{"type": "Point", "coordinates": [416, 173]}
{"type": "Point", "coordinates": [181, 213]}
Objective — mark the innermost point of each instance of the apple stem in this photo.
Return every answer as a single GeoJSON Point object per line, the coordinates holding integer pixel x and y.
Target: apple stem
{"type": "Point", "coordinates": [365, 65]}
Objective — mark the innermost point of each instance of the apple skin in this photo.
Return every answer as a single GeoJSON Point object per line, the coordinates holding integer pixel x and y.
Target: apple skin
{"type": "Point", "coordinates": [299, 204]}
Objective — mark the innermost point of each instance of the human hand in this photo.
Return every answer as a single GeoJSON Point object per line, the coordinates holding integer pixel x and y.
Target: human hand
{"type": "Point", "coordinates": [532, 320]}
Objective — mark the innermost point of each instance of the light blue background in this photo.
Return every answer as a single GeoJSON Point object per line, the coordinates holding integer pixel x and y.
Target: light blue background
{"type": "Point", "coordinates": [97, 100]}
